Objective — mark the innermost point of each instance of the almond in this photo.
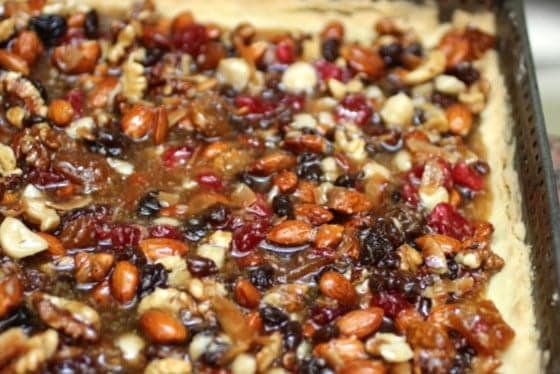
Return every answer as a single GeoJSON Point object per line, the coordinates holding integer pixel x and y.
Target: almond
{"type": "Point", "coordinates": [348, 201]}
{"type": "Point", "coordinates": [328, 236]}
{"type": "Point", "coordinates": [246, 294]}
{"type": "Point", "coordinates": [137, 121]}
{"type": "Point", "coordinates": [162, 328]}
{"type": "Point", "coordinates": [290, 233]}
{"type": "Point", "coordinates": [286, 181]}
{"type": "Point", "coordinates": [272, 163]}
{"type": "Point", "coordinates": [157, 248]}
{"type": "Point", "coordinates": [334, 285]}
{"type": "Point", "coordinates": [306, 143]}
{"type": "Point", "coordinates": [360, 323]}
{"type": "Point", "coordinates": [11, 61]}
{"type": "Point", "coordinates": [363, 59]}
{"type": "Point", "coordinates": [446, 244]}
{"type": "Point", "coordinates": [312, 213]}
{"type": "Point", "coordinates": [405, 318]}
{"type": "Point", "coordinates": [124, 281]}
{"type": "Point", "coordinates": [339, 351]}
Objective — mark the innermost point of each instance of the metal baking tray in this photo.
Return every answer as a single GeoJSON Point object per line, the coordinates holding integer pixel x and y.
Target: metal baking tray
{"type": "Point", "coordinates": [533, 164]}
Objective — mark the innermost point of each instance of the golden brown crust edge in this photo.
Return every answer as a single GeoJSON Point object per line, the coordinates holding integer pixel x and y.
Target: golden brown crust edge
{"type": "Point", "coordinates": [510, 289]}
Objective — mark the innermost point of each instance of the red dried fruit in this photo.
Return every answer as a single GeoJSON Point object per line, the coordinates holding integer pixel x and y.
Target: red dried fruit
{"type": "Point", "coordinates": [293, 102]}
{"type": "Point", "coordinates": [391, 303]}
{"type": "Point", "coordinates": [190, 38]}
{"type": "Point", "coordinates": [324, 314]}
{"type": "Point", "coordinates": [465, 175]}
{"type": "Point", "coordinates": [210, 180]}
{"type": "Point", "coordinates": [176, 155]}
{"type": "Point", "coordinates": [164, 231]}
{"type": "Point", "coordinates": [354, 108]}
{"type": "Point", "coordinates": [249, 235]}
{"type": "Point", "coordinates": [48, 179]}
{"type": "Point", "coordinates": [76, 99]}
{"type": "Point", "coordinates": [328, 70]}
{"type": "Point", "coordinates": [285, 51]}
{"type": "Point", "coordinates": [444, 219]}
{"type": "Point", "coordinates": [123, 235]}
{"type": "Point", "coordinates": [254, 104]}
{"type": "Point", "coordinates": [260, 207]}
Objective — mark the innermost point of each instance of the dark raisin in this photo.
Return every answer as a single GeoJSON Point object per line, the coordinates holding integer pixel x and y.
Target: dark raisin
{"type": "Point", "coordinates": [272, 318]}
{"type": "Point", "coordinates": [148, 205]}
{"type": "Point", "coordinates": [414, 49]}
{"type": "Point", "coordinates": [195, 228]}
{"type": "Point", "coordinates": [410, 222]}
{"type": "Point", "coordinates": [391, 84]}
{"type": "Point", "coordinates": [108, 142]}
{"type": "Point", "coordinates": [217, 214]}
{"type": "Point", "coordinates": [396, 196]}
{"type": "Point", "coordinates": [282, 205]}
{"type": "Point", "coordinates": [387, 325]}
{"type": "Point", "coordinates": [379, 245]}
{"type": "Point", "coordinates": [330, 49]}
{"type": "Point", "coordinates": [391, 280]}
{"type": "Point", "coordinates": [213, 354]}
{"type": "Point", "coordinates": [424, 306]}
{"type": "Point", "coordinates": [49, 27]}
{"type": "Point", "coordinates": [443, 100]}
{"type": "Point", "coordinates": [262, 277]}
{"type": "Point", "coordinates": [391, 54]}
{"type": "Point", "coordinates": [82, 363]}
{"type": "Point", "coordinates": [23, 318]}
{"type": "Point", "coordinates": [325, 333]}
{"type": "Point", "coordinates": [324, 314]}
{"type": "Point", "coordinates": [153, 276]}
{"type": "Point", "coordinates": [39, 86]}
{"type": "Point", "coordinates": [466, 72]}
{"type": "Point", "coordinates": [132, 255]}
{"type": "Point", "coordinates": [309, 167]}
{"type": "Point", "coordinates": [313, 366]}
{"type": "Point", "coordinates": [153, 55]}
{"type": "Point", "coordinates": [452, 269]}
{"type": "Point", "coordinates": [91, 24]}
{"type": "Point", "coordinates": [292, 335]}
{"type": "Point", "coordinates": [346, 180]}
{"type": "Point", "coordinates": [419, 117]}
{"type": "Point", "coordinates": [201, 266]}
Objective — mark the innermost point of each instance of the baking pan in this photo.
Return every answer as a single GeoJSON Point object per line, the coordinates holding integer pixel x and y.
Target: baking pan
{"type": "Point", "coordinates": [533, 164]}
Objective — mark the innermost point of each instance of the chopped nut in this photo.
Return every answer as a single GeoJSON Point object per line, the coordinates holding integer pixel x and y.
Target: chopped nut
{"type": "Point", "coordinates": [214, 253]}
{"type": "Point", "coordinates": [133, 81]}
{"type": "Point", "coordinates": [432, 66]}
{"type": "Point", "coordinates": [303, 121]}
{"type": "Point", "coordinates": [33, 352]}
{"type": "Point", "coordinates": [36, 209]}
{"type": "Point", "coordinates": [16, 84]}
{"type": "Point", "coordinates": [122, 167]}
{"type": "Point", "coordinates": [391, 347]}
{"type": "Point", "coordinates": [18, 241]}
{"type": "Point", "coordinates": [168, 365]}
{"type": "Point", "coordinates": [131, 346]}
{"type": "Point", "coordinates": [7, 27]}
{"type": "Point", "coordinates": [351, 144]}
{"type": "Point", "coordinates": [234, 71]}
{"type": "Point", "coordinates": [299, 77]}
{"type": "Point", "coordinates": [71, 317]}
{"type": "Point", "coordinates": [124, 40]}
{"type": "Point", "coordinates": [15, 115]}
{"type": "Point", "coordinates": [169, 300]}
{"type": "Point", "coordinates": [449, 84]}
{"type": "Point", "coordinates": [8, 164]}
{"type": "Point", "coordinates": [432, 198]}
{"type": "Point", "coordinates": [398, 111]}
{"type": "Point", "coordinates": [270, 351]}
{"type": "Point", "coordinates": [410, 258]}
{"type": "Point", "coordinates": [81, 128]}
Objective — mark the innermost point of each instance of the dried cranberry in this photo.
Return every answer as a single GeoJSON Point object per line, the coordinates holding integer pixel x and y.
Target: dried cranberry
{"type": "Point", "coordinates": [391, 303]}
{"type": "Point", "coordinates": [76, 99]}
{"type": "Point", "coordinates": [328, 70]}
{"type": "Point", "coordinates": [445, 220]}
{"type": "Point", "coordinates": [211, 180]}
{"type": "Point", "coordinates": [260, 207]}
{"type": "Point", "coordinates": [177, 155]}
{"type": "Point", "coordinates": [285, 51]}
{"type": "Point", "coordinates": [153, 276]}
{"type": "Point", "coordinates": [190, 38]}
{"type": "Point", "coordinates": [47, 179]}
{"type": "Point", "coordinates": [124, 235]}
{"type": "Point", "coordinates": [73, 35]}
{"type": "Point", "coordinates": [354, 108]}
{"type": "Point", "coordinates": [465, 175]}
{"type": "Point", "coordinates": [201, 266]}
{"type": "Point", "coordinates": [164, 231]}
{"type": "Point", "coordinates": [293, 102]}
{"type": "Point", "coordinates": [254, 104]}
{"type": "Point", "coordinates": [248, 236]}
{"type": "Point", "coordinates": [324, 314]}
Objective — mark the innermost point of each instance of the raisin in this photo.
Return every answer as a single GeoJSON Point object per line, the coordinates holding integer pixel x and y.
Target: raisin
{"type": "Point", "coordinates": [330, 48]}
{"type": "Point", "coordinates": [443, 100]}
{"type": "Point", "coordinates": [313, 366]}
{"type": "Point", "coordinates": [391, 280]}
{"type": "Point", "coordinates": [283, 206]}
{"type": "Point", "coordinates": [292, 335]}
{"type": "Point", "coordinates": [272, 318]}
{"type": "Point", "coordinates": [153, 276]}
{"type": "Point", "coordinates": [391, 54]}
{"type": "Point", "coordinates": [309, 167]}
{"type": "Point", "coordinates": [325, 333]}
{"type": "Point", "coordinates": [346, 180]}
{"type": "Point", "coordinates": [82, 363]}
{"type": "Point", "coordinates": [195, 228]}
{"type": "Point", "coordinates": [262, 277]}
{"type": "Point", "coordinates": [108, 142]}
{"type": "Point", "coordinates": [378, 250]}
{"type": "Point", "coordinates": [91, 24]}
{"type": "Point", "coordinates": [153, 55]}
{"type": "Point", "coordinates": [414, 49]}
{"type": "Point", "coordinates": [49, 27]}
{"type": "Point", "coordinates": [201, 266]}
{"type": "Point", "coordinates": [148, 205]}
{"type": "Point", "coordinates": [391, 303]}
{"type": "Point", "coordinates": [466, 72]}
{"type": "Point", "coordinates": [22, 317]}
{"type": "Point", "coordinates": [217, 214]}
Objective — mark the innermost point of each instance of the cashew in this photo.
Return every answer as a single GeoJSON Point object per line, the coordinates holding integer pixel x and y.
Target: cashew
{"type": "Point", "coordinates": [391, 347]}
{"type": "Point", "coordinates": [122, 167]}
{"type": "Point", "coordinates": [431, 67]}
{"type": "Point", "coordinates": [131, 345]}
{"type": "Point", "coordinates": [18, 241]}
{"type": "Point", "coordinates": [449, 84]}
{"type": "Point", "coordinates": [36, 209]}
{"type": "Point", "coordinates": [81, 128]}
{"type": "Point", "coordinates": [169, 300]}
{"type": "Point", "coordinates": [431, 198]}
{"type": "Point", "coordinates": [234, 71]}
{"type": "Point", "coordinates": [299, 77]}
{"type": "Point", "coordinates": [169, 365]}
{"type": "Point", "coordinates": [244, 364]}
{"type": "Point", "coordinates": [398, 111]}
{"type": "Point", "coordinates": [303, 121]}
{"type": "Point", "coordinates": [8, 164]}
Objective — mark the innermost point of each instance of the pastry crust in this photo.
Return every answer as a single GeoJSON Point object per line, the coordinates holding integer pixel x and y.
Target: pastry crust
{"type": "Point", "coordinates": [510, 289]}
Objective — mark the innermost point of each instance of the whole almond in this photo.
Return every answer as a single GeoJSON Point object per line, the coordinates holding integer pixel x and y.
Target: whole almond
{"type": "Point", "coordinates": [312, 213]}
{"type": "Point", "coordinates": [406, 317]}
{"type": "Point", "coordinates": [328, 236]}
{"type": "Point", "coordinates": [362, 367]}
{"type": "Point", "coordinates": [334, 285]}
{"type": "Point", "coordinates": [290, 233]}
{"type": "Point", "coordinates": [272, 163]}
{"type": "Point", "coordinates": [342, 350]}
{"type": "Point", "coordinates": [246, 294]}
{"type": "Point", "coordinates": [156, 248]}
{"type": "Point", "coordinates": [138, 121]}
{"type": "Point", "coordinates": [162, 328]}
{"type": "Point", "coordinates": [347, 201]}
{"type": "Point", "coordinates": [360, 323]}
{"type": "Point", "coordinates": [124, 281]}
{"type": "Point", "coordinates": [11, 61]}
{"type": "Point", "coordinates": [286, 181]}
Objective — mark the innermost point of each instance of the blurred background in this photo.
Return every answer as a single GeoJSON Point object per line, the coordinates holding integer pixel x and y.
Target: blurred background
{"type": "Point", "coordinates": [543, 18]}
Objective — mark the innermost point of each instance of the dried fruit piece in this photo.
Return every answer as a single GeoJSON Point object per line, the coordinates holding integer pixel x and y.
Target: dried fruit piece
{"type": "Point", "coordinates": [348, 201]}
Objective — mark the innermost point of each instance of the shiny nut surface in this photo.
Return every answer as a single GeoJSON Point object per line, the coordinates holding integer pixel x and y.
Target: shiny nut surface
{"type": "Point", "coordinates": [360, 323]}
{"type": "Point", "coordinates": [336, 286]}
{"type": "Point", "coordinates": [162, 328]}
{"type": "Point", "coordinates": [137, 121]}
{"type": "Point", "coordinates": [124, 281]}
